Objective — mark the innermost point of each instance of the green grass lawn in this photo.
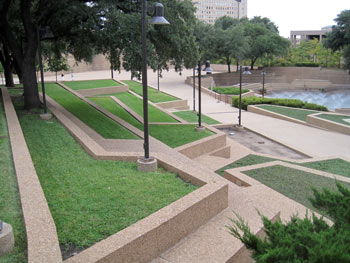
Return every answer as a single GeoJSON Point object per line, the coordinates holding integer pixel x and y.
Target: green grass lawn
{"type": "Point", "coordinates": [335, 118]}
{"type": "Point", "coordinates": [136, 104]}
{"type": "Point", "coordinates": [250, 159]}
{"type": "Point", "coordinates": [334, 166]}
{"type": "Point", "coordinates": [153, 95]}
{"type": "Point", "coordinates": [10, 206]}
{"type": "Point", "coordinates": [103, 125]}
{"type": "Point", "coordinates": [171, 135]}
{"type": "Point", "coordinates": [293, 183]}
{"type": "Point", "coordinates": [91, 84]}
{"type": "Point", "coordinates": [229, 90]}
{"type": "Point", "coordinates": [289, 112]}
{"type": "Point", "coordinates": [177, 135]}
{"type": "Point", "coordinates": [16, 91]}
{"type": "Point", "coordinates": [192, 117]}
{"type": "Point", "coordinates": [92, 199]}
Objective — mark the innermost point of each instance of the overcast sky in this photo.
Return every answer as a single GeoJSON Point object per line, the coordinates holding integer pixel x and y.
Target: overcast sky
{"type": "Point", "coordinates": [291, 15]}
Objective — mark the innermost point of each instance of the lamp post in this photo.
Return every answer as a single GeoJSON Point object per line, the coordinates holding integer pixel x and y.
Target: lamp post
{"type": "Point", "coordinates": [157, 19]}
{"type": "Point", "coordinates": [263, 73]}
{"type": "Point", "coordinates": [246, 72]}
{"type": "Point", "coordinates": [194, 89]}
{"type": "Point", "coordinates": [43, 34]}
{"type": "Point", "coordinates": [209, 70]}
{"type": "Point", "coordinates": [238, 2]}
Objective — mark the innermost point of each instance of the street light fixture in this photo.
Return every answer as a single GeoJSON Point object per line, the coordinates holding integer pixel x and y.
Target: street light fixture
{"type": "Point", "coordinates": [238, 2]}
{"type": "Point", "coordinates": [209, 70]}
{"type": "Point", "coordinates": [157, 19]}
{"type": "Point", "coordinates": [43, 34]}
{"type": "Point", "coordinates": [246, 72]}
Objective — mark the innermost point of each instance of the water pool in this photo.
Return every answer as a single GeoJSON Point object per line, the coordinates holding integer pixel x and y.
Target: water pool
{"type": "Point", "coordinates": [331, 99]}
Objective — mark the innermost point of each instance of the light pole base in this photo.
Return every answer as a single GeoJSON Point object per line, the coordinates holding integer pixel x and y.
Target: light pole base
{"type": "Point", "coordinates": [199, 128]}
{"type": "Point", "coordinates": [46, 116]}
{"type": "Point", "coordinates": [7, 240]}
{"type": "Point", "coordinates": [147, 164]}
{"type": "Point", "coordinates": [239, 128]}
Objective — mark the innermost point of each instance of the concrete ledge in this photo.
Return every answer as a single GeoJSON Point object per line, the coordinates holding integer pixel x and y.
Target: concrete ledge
{"type": "Point", "coordinates": [172, 104]}
{"type": "Point", "coordinates": [327, 124]}
{"type": "Point", "coordinates": [224, 152]}
{"type": "Point", "coordinates": [7, 240]}
{"type": "Point", "coordinates": [102, 91]}
{"type": "Point", "coordinates": [149, 237]}
{"type": "Point", "coordinates": [343, 111]}
{"type": "Point", "coordinates": [41, 232]}
{"type": "Point", "coordinates": [205, 145]}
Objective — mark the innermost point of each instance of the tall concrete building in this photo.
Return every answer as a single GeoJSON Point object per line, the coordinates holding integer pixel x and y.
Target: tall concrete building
{"type": "Point", "coordinates": [210, 10]}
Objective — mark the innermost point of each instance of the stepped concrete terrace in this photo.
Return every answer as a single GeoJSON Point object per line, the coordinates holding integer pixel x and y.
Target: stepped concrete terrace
{"type": "Point", "coordinates": [211, 241]}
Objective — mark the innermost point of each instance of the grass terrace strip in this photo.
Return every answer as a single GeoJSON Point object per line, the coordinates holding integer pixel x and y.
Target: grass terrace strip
{"type": "Point", "coordinates": [172, 135]}
{"type": "Point", "coordinates": [289, 112]}
{"type": "Point", "coordinates": [91, 84]}
{"type": "Point", "coordinates": [177, 135]}
{"type": "Point", "coordinates": [250, 159]}
{"type": "Point", "coordinates": [336, 118]}
{"type": "Point", "coordinates": [153, 95]}
{"type": "Point", "coordinates": [192, 117]}
{"type": "Point", "coordinates": [103, 125]}
{"type": "Point", "coordinates": [113, 107]}
{"type": "Point", "coordinates": [10, 205]}
{"type": "Point", "coordinates": [334, 166]}
{"type": "Point", "coordinates": [293, 183]}
{"type": "Point", "coordinates": [92, 199]}
{"type": "Point", "coordinates": [136, 104]}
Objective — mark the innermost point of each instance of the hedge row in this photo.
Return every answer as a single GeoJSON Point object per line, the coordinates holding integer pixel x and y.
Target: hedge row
{"type": "Point", "coordinates": [281, 102]}
{"type": "Point", "coordinates": [229, 90]}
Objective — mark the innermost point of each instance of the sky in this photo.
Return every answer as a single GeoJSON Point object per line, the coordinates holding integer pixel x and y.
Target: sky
{"type": "Point", "coordinates": [291, 15]}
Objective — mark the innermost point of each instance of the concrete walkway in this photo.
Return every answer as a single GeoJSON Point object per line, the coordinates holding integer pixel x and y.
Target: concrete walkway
{"type": "Point", "coordinates": [311, 141]}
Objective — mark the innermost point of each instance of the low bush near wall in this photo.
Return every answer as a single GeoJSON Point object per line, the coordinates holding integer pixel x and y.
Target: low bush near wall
{"type": "Point", "coordinates": [281, 102]}
{"type": "Point", "coordinates": [229, 90]}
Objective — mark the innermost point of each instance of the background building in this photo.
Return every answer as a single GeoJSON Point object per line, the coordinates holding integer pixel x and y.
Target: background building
{"type": "Point", "coordinates": [304, 35]}
{"type": "Point", "coordinates": [210, 10]}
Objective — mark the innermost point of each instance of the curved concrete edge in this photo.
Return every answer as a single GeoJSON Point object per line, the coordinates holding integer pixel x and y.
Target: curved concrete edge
{"type": "Point", "coordinates": [40, 228]}
{"type": "Point", "coordinates": [147, 238]}
{"type": "Point", "coordinates": [328, 124]}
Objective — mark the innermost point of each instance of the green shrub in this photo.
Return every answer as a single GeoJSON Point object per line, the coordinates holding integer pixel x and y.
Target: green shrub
{"type": "Point", "coordinates": [307, 64]}
{"type": "Point", "coordinates": [281, 102]}
{"type": "Point", "coordinates": [303, 240]}
{"type": "Point", "coordinates": [229, 90]}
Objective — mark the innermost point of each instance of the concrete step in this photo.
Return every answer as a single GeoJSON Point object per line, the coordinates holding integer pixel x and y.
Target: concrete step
{"type": "Point", "coordinates": [213, 242]}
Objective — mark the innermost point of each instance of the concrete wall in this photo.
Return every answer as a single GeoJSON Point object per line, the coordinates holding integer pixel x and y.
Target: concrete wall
{"type": "Point", "coordinates": [283, 75]}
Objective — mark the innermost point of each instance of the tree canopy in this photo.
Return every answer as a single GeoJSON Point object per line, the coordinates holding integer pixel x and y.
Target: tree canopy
{"type": "Point", "coordinates": [339, 38]}
{"type": "Point", "coordinates": [84, 28]}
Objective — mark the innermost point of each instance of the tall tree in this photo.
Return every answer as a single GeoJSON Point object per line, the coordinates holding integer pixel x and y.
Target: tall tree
{"type": "Point", "coordinates": [84, 28]}
{"type": "Point", "coordinates": [230, 41]}
{"type": "Point", "coordinates": [339, 38]}
{"type": "Point", "coordinates": [263, 39]}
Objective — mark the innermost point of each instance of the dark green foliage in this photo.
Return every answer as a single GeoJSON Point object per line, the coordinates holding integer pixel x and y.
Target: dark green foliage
{"type": "Point", "coordinates": [303, 240]}
{"type": "Point", "coordinates": [307, 64]}
{"type": "Point", "coordinates": [229, 90]}
{"type": "Point", "coordinates": [339, 38]}
{"type": "Point", "coordinates": [281, 102]}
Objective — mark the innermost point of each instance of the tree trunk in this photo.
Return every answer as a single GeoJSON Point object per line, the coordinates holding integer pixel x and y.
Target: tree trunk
{"type": "Point", "coordinates": [30, 85]}
{"type": "Point", "coordinates": [252, 63]}
{"type": "Point", "coordinates": [228, 65]}
{"type": "Point", "coordinates": [7, 71]}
